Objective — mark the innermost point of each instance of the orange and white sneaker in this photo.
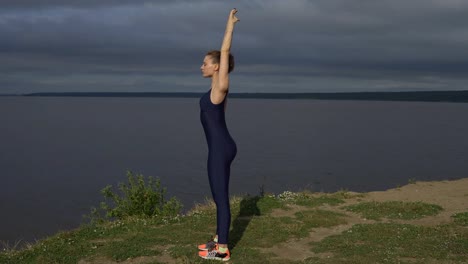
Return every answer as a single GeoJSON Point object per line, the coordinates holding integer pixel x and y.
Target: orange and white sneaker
{"type": "Point", "coordinates": [215, 254]}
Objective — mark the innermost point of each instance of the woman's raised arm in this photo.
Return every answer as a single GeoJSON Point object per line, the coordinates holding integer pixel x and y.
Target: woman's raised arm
{"type": "Point", "coordinates": [223, 75]}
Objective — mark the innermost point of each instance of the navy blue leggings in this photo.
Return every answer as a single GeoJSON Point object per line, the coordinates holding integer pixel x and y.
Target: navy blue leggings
{"type": "Point", "coordinates": [221, 152]}
{"type": "Point", "coordinates": [218, 175]}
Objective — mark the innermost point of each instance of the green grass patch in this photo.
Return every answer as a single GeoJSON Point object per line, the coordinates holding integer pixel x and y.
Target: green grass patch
{"type": "Point", "coordinates": [318, 201]}
{"type": "Point", "coordinates": [117, 240]}
{"type": "Point", "coordinates": [394, 210]}
{"type": "Point", "coordinates": [135, 245]}
{"type": "Point", "coordinates": [266, 231]}
{"type": "Point", "coordinates": [461, 218]}
{"type": "Point", "coordinates": [318, 218]}
{"type": "Point", "coordinates": [259, 205]}
{"type": "Point", "coordinates": [391, 243]}
{"type": "Point", "coordinates": [311, 200]}
{"type": "Point", "coordinates": [62, 248]}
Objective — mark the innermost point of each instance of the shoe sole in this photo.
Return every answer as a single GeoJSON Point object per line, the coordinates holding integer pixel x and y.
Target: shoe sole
{"type": "Point", "coordinates": [222, 259]}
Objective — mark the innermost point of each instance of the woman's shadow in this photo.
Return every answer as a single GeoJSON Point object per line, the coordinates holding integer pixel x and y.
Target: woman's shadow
{"type": "Point", "coordinates": [248, 209]}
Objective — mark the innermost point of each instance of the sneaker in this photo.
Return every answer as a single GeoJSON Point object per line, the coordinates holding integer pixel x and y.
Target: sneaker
{"type": "Point", "coordinates": [210, 245]}
{"type": "Point", "coordinates": [215, 254]}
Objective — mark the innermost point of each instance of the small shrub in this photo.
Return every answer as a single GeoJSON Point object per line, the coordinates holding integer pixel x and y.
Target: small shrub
{"type": "Point", "coordinates": [138, 197]}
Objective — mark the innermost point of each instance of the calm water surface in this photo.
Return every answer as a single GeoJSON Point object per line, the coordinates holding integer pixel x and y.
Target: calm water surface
{"type": "Point", "coordinates": [58, 153]}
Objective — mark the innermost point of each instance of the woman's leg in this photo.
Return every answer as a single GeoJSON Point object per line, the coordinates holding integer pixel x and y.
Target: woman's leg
{"type": "Point", "coordinates": [218, 174]}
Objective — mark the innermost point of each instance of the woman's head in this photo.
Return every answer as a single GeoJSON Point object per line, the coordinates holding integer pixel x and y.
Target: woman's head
{"type": "Point", "coordinates": [211, 63]}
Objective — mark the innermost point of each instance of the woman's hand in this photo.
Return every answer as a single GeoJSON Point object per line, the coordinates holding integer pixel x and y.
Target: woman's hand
{"type": "Point", "coordinates": [232, 17]}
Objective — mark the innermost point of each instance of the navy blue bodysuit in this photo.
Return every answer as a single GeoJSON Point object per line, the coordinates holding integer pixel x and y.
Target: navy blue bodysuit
{"type": "Point", "coordinates": [221, 152]}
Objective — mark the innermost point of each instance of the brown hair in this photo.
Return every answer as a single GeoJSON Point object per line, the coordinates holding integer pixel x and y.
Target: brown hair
{"type": "Point", "coordinates": [216, 57]}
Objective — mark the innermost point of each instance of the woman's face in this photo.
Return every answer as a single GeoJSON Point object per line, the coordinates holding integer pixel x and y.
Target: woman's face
{"type": "Point", "coordinates": [208, 68]}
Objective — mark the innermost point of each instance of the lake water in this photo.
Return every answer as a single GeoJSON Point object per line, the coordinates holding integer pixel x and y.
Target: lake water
{"type": "Point", "coordinates": [57, 153]}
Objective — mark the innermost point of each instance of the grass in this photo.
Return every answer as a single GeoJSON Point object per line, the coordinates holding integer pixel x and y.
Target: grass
{"type": "Point", "coordinates": [396, 243]}
{"type": "Point", "coordinates": [394, 210]}
{"type": "Point", "coordinates": [313, 200]}
{"type": "Point", "coordinates": [260, 223]}
{"type": "Point", "coordinates": [461, 218]}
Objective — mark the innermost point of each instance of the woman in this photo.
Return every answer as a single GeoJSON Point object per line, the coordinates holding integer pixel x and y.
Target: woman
{"type": "Point", "coordinates": [221, 147]}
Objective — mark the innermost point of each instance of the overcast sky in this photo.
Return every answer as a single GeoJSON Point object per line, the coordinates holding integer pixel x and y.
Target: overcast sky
{"type": "Point", "coordinates": [279, 45]}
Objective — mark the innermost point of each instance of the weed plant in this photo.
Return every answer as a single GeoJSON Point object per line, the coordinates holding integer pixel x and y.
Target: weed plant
{"type": "Point", "coordinates": [141, 196]}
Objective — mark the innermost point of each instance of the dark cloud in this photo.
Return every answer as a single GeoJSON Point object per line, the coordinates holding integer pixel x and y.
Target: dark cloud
{"type": "Point", "coordinates": [34, 4]}
{"type": "Point", "coordinates": [279, 45]}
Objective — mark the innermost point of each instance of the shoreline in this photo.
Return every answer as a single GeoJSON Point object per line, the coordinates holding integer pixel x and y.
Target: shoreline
{"type": "Point", "coordinates": [460, 96]}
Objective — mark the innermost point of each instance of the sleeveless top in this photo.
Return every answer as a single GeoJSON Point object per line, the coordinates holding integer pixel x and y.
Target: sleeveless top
{"type": "Point", "coordinates": [213, 119]}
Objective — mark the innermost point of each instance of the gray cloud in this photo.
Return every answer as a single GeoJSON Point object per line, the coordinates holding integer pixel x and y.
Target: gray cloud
{"type": "Point", "coordinates": [34, 4]}
{"type": "Point", "coordinates": [299, 45]}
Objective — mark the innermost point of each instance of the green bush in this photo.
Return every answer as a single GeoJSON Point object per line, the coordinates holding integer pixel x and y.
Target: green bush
{"type": "Point", "coordinates": [138, 197]}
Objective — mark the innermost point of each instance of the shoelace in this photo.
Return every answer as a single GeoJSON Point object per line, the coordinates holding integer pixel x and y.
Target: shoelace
{"type": "Point", "coordinates": [210, 244]}
{"type": "Point", "coordinates": [212, 253]}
